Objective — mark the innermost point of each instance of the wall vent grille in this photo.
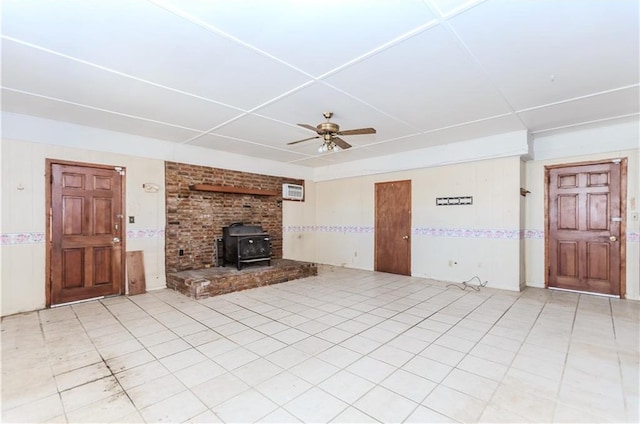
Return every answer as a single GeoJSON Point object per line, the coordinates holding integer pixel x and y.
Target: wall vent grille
{"type": "Point", "coordinates": [292, 192]}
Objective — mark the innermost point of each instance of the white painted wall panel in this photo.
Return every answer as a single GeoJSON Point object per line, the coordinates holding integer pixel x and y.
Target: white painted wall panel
{"type": "Point", "coordinates": [615, 141]}
{"type": "Point", "coordinates": [23, 217]}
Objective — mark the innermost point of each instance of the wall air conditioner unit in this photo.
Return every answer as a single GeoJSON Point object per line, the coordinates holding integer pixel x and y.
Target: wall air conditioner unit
{"type": "Point", "coordinates": [292, 192]}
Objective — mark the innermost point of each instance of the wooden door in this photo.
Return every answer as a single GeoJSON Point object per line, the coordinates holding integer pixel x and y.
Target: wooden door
{"type": "Point", "coordinates": [86, 232]}
{"type": "Point", "coordinates": [584, 221]}
{"type": "Point", "coordinates": [393, 227]}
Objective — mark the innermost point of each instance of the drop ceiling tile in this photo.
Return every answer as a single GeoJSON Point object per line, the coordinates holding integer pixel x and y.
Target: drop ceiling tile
{"type": "Point", "coordinates": [43, 73]}
{"type": "Point", "coordinates": [418, 141]}
{"type": "Point", "coordinates": [264, 131]}
{"type": "Point", "coordinates": [632, 119]}
{"type": "Point", "coordinates": [428, 80]}
{"type": "Point", "coordinates": [146, 41]}
{"type": "Point", "coordinates": [313, 162]}
{"type": "Point", "coordinates": [52, 109]}
{"type": "Point", "coordinates": [311, 35]}
{"type": "Point", "coordinates": [544, 51]}
{"type": "Point", "coordinates": [449, 7]}
{"type": "Point", "coordinates": [605, 106]}
{"type": "Point", "coordinates": [215, 142]}
{"type": "Point", "coordinates": [470, 131]}
{"type": "Point", "coordinates": [352, 154]}
{"type": "Point", "coordinates": [307, 106]}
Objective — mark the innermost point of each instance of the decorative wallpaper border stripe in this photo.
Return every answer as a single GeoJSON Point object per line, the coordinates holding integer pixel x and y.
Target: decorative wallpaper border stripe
{"type": "Point", "coordinates": [327, 229]}
{"type": "Point", "coordinates": [21, 238]}
{"type": "Point", "coordinates": [469, 233]}
{"type": "Point", "coordinates": [145, 233]}
{"type": "Point", "coordinates": [632, 237]}
{"type": "Point", "coordinates": [11, 239]}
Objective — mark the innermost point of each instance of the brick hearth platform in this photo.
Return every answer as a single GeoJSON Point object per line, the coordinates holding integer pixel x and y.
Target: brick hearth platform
{"type": "Point", "coordinates": [202, 283]}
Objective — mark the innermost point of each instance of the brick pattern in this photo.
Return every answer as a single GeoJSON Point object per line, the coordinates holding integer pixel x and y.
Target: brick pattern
{"type": "Point", "coordinates": [195, 218]}
{"type": "Point", "coordinates": [202, 283]}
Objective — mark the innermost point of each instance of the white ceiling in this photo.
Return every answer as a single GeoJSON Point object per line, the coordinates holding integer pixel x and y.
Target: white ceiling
{"type": "Point", "coordinates": [239, 75]}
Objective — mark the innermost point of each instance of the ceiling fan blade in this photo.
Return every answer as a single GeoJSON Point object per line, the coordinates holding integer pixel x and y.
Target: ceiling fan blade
{"type": "Point", "coordinates": [310, 127]}
{"type": "Point", "coordinates": [304, 139]}
{"type": "Point", "coordinates": [358, 131]}
{"type": "Point", "coordinates": [340, 143]}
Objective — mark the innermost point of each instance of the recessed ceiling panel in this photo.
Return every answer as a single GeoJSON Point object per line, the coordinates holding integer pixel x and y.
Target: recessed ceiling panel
{"type": "Point", "coordinates": [427, 80]}
{"type": "Point", "coordinates": [314, 36]}
{"type": "Point", "coordinates": [46, 74]}
{"type": "Point", "coordinates": [543, 51]}
{"type": "Point", "coordinates": [59, 111]}
{"type": "Point", "coordinates": [605, 106]}
{"type": "Point", "coordinates": [146, 41]}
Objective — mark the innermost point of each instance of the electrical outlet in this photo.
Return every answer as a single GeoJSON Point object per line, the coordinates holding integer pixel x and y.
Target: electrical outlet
{"type": "Point", "coordinates": [181, 252]}
{"type": "Point", "coordinates": [132, 220]}
{"type": "Point", "coordinates": [634, 216]}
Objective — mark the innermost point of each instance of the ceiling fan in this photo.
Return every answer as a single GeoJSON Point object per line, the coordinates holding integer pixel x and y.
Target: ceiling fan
{"type": "Point", "coordinates": [329, 132]}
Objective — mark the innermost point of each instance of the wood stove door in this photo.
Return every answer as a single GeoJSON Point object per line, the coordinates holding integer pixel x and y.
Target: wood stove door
{"type": "Point", "coordinates": [253, 249]}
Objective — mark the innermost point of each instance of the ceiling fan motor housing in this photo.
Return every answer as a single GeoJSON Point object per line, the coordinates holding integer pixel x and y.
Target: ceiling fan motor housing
{"type": "Point", "coordinates": [328, 127]}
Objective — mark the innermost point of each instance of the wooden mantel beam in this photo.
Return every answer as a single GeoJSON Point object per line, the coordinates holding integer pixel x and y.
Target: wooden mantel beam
{"type": "Point", "coordinates": [234, 190]}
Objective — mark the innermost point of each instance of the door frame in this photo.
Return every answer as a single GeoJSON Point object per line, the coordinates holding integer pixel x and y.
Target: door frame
{"type": "Point", "coordinates": [375, 230]}
{"type": "Point", "coordinates": [48, 177]}
{"type": "Point", "coordinates": [623, 215]}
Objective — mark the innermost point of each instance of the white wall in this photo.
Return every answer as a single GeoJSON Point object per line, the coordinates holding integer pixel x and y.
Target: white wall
{"type": "Point", "coordinates": [344, 210]}
{"type": "Point", "coordinates": [298, 222]}
{"type": "Point", "coordinates": [23, 217]}
{"type": "Point", "coordinates": [25, 144]}
{"type": "Point", "coordinates": [614, 141]}
{"type": "Point", "coordinates": [335, 223]}
{"type": "Point", "coordinates": [38, 130]}
{"type": "Point", "coordinates": [510, 144]}
{"type": "Point", "coordinates": [449, 243]}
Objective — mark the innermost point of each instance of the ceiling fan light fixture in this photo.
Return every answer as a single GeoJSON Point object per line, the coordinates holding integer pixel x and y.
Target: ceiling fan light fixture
{"type": "Point", "coordinates": [328, 146]}
{"type": "Point", "coordinates": [330, 134]}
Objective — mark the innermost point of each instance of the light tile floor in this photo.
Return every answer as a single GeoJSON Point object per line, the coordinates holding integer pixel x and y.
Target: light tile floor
{"type": "Point", "coordinates": [346, 346]}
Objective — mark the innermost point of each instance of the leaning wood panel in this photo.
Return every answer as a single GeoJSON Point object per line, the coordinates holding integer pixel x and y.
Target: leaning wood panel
{"type": "Point", "coordinates": [135, 272]}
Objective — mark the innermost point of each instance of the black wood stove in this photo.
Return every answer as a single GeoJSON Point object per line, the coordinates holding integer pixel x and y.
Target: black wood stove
{"type": "Point", "coordinates": [244, 244]}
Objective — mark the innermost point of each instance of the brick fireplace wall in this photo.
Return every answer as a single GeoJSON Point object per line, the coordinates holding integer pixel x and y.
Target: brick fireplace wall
{"type": "Point", "coordinates": [195, 218]}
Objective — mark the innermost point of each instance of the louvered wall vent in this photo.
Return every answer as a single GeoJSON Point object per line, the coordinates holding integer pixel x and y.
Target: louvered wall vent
{"type": "Point", "coordinates": [292, 192]}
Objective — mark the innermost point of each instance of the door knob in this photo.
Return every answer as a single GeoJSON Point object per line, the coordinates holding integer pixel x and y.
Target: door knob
{"type": "Point", "coordinates": [116, 240]}
{"type": "Point", "coordinates": [405, 237]}
{"type": "Point", "coordinates": [613, 238]}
